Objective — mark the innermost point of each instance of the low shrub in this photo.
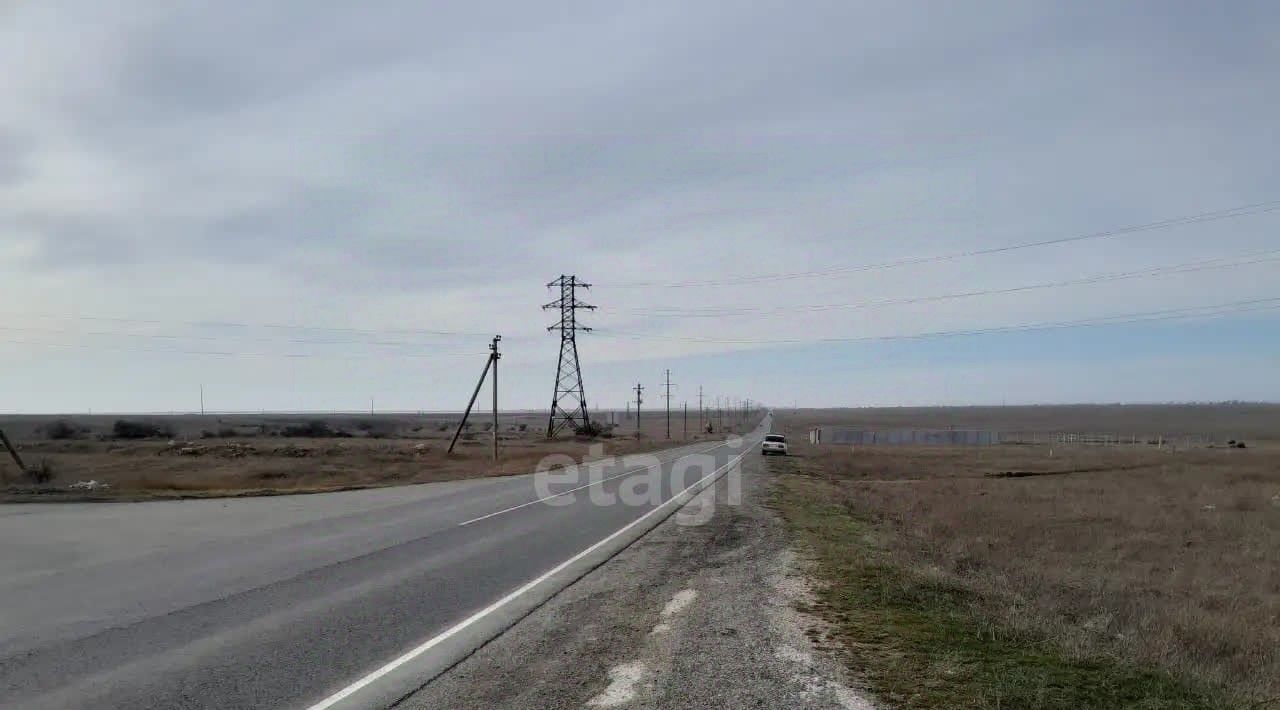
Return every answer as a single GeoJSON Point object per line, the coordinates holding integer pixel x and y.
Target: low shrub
{"type": "Point", "coordinates": [40, 473]}
{"type": "Point", "coordinates": [127, 429]}
{"type": "Point", "coordinates": [314, 429]}
{"type": "Point", "coordinates": [592, 429]}
{"type": "Point", "coordinates": [61, 429]}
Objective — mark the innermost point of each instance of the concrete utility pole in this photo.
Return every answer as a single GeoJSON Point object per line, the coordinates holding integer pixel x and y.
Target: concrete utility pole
{"type": "Point", "coordinates": [639, 400]}
{"type": "Point", "coordinates": [668, 404]}
{"type": "Point", "coordinates": [491, 361]}
{"type": "Point", "coordinates": [686, 420]}
{"type": "Point", "coordinates": [699, 407]}
{"type": "Point", "coordinates": [495, 356]}
{"type": "Point", "coordinates": [202, 400]}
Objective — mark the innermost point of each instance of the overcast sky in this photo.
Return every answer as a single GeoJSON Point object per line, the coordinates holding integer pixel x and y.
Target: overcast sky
{"type": "Point", "coordinates": [403, 167]}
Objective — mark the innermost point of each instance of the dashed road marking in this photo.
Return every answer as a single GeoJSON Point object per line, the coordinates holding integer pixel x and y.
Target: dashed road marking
{"type": "Point", "coordinates": [678, 603]}
{"type": "Point", "coordinates": [544, 499]}
{"type": "Point", "coordinates": [622, 685]}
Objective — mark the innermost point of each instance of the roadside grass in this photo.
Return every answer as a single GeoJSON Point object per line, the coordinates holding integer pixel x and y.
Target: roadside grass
{"type": "Point", "coordinates": [922, 640]}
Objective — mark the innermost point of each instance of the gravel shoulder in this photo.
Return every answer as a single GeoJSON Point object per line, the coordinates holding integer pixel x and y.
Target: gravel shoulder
{"type": "Point", "coordinates": [690, 616]}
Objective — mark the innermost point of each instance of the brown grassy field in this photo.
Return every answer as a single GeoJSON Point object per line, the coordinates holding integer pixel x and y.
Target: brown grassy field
{"type": "Point", "coordinates": [1123, 577]}
{"type": "Point", "coordinates": [1239, 421]}
{"type": "Point", "coordinates": [271, 453]}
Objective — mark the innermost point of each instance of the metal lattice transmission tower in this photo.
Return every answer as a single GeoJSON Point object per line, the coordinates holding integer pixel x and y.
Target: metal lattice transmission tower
{"type": "Point", "coordinates": [568, 402]}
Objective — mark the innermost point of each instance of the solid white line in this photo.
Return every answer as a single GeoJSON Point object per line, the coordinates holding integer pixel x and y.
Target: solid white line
{"type": "Point", "coordinates": [444, 636]}
{"type": "Point", "coordinates": [573, 490]}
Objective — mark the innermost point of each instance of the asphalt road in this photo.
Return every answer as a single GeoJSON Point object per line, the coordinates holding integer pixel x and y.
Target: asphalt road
{"type": "Point", "coordinates": [346, 600]}
{"type": "Point", "coordinates": [692, 617]}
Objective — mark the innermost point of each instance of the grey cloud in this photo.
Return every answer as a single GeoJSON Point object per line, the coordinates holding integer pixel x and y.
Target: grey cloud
{"type": "Point", "coordinates": [310, 219]}
{"type": "Point", "coordinates": [13, 159]}
{"type": "Point", "coordinates": [77, 240]}
{"type": "Point", "coordinates": [405, 146]}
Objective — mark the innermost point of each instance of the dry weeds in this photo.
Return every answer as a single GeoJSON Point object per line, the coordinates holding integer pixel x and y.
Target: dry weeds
{"type": "Point", "coordinates": [1168, 559]}
{"type": "Point", "coordinates": [406, 450]}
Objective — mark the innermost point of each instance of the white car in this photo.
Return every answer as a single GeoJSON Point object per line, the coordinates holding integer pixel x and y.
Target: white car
{"type": "Point", "coordinates": [773, 444]}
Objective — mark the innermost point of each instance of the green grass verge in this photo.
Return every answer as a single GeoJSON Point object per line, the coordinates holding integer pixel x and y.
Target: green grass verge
{"type": "Point", "coordinates": [921, 643]}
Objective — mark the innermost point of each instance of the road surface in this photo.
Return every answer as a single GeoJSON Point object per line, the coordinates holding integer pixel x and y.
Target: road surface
{"type": "Point", "coordinates": [351, 599]}
{"type": "Point", "coordinates": [692, 617]}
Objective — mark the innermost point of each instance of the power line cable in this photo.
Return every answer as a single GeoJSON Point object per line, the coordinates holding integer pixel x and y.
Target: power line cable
{"type": "Point", "coordinates": [1263, 257]}
{"type": "Point", "coordinates": [1231, 213]}
{"type": "Point", "coordinates": [229, 353]}
{"type": "Point", "coordinates": [1141, 317]}
{"type": "Point", "coordinates": [214, 338]}
{"type": "Point", "coordinates": [266, 326]}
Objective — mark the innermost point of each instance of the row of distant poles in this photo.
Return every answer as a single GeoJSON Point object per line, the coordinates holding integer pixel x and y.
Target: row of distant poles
{"type": "Point", "coordinates": [740, 411]}
{"type": "Point", "coordinates": [568, 399]}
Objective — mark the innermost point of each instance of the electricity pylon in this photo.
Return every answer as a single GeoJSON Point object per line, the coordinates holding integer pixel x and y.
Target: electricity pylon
{"type": "Point", "coordinates": [568, 402]}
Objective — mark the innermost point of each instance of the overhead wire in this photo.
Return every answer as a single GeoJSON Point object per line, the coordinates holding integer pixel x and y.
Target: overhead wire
{"type": "Point", "coordinates": [267, 326]}
{"type": "Point", "coordinates": [1212, 216]}
{"type": "Point", "coordinates": [218, 353]}
{"type": "Point", "coordinates": [675, 312]}
{"type": "Point", "coordinates": [1139, 317]}
{"type": "Point", "coordinates": [213, 338]}
{"type": "Point", "coordinates": [1263, 257]}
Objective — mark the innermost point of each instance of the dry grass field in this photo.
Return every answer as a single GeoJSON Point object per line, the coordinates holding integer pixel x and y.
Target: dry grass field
{"type": "Point", "coordinates": [248, 454]}
{"type": "Point", "coordinates": [1226, 421]}
{"type": "Point", "coordinates": [1121, 577]}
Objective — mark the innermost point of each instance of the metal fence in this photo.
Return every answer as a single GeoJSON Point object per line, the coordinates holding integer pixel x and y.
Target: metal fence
{"type": "Point", "coordinates": [905, 437]}
{"type": "Point", "coordinates": [986, 437]}
{"type": "Point", "coordinates": [1108, 439]}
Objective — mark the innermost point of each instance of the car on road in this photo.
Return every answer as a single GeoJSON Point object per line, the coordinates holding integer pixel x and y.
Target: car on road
{"type": "Point", "coordinates": [773, 444]}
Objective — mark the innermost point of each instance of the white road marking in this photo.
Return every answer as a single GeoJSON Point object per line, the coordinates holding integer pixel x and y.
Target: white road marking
{"type": "Point", "coordinates": [677, 604]}
{"type": "Point", "coordinates": [460, 626]}
{"type": "Point", "coordinates": [574, 490]}
{"type": "Point", "coordinates": [622, 685]}
{"type": "Point", "coordinates": [682, 599]}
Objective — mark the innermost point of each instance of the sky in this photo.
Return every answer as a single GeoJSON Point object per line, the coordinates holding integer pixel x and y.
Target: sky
{"type": "Point", "coordinates": [306, 205]}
